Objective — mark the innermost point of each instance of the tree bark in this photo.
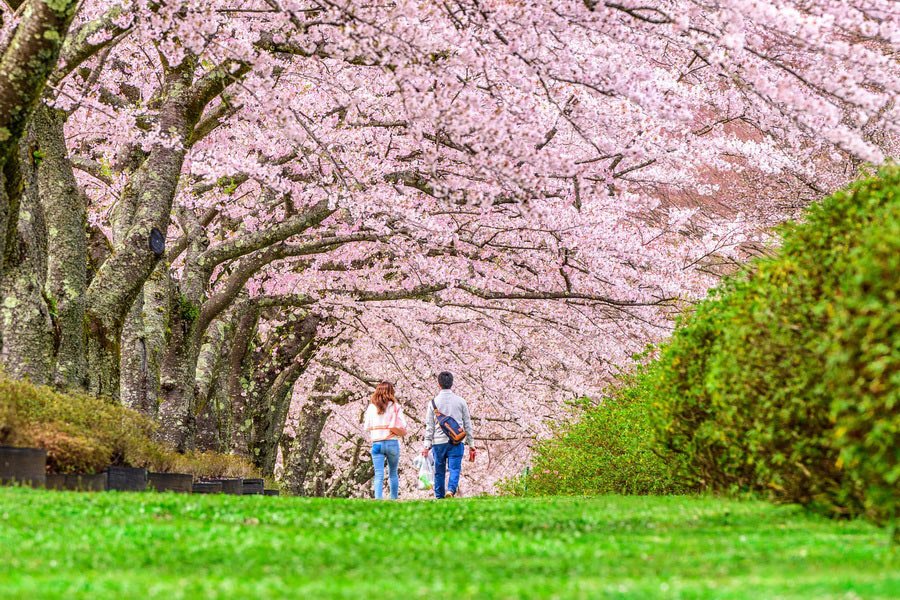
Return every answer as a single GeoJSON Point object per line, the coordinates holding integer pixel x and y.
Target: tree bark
{"type": "Point", "coordinates": [65, 209]}
{"type": "Point", "coordinates": [25, 315]}
{"type": "Point", "coordinates": [27, 63]}
{"type": "Point", "coordinates": [239, 375]}
{"type": "Point", "coordinates": [143, 345]}
{"type": "Point", "coordinates": [213, 423]}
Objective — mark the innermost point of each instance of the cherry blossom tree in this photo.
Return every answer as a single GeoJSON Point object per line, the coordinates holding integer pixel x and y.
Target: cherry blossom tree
{"type": "Point", "coordinates": [352, 191]}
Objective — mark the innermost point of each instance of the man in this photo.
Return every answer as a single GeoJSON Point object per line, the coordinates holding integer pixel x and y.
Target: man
{"type": "Point", "coordinates": [445, 453]}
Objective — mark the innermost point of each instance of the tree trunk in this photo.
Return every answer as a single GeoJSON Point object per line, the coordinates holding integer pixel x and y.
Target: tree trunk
{"type": "Point", "coordinates": [361, 472]}
{"type": "Point", "coordinates": [120, 279]}
{"type": "Point", "coordinates": [65, 211]}
{"type": "Point", "coordinates": [143, 345]}
{"type": "Point", "coordinates": [25, 316]}
{"type": "Point", "coordinates": [27, 63]}
{"type": "Point", "coordinates": [304, 462]}
{"type": "Point", "coordinates": [239, 377]}
{"type": "Point", "coordinates": [179, 367]}
{"type": "Point", "coordinates": [213, 423]}
{"type": "Point", "coordinates": [278, 366]}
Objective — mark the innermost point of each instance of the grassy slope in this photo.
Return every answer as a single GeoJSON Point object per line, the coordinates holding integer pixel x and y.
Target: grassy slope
{"type": "Point", "coordinates": [67, 545]}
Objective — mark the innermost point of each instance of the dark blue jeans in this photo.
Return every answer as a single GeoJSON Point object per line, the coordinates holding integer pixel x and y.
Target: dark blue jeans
{"type": "Point", "coordinates": [445, 454]}
{"type": "Point", "coordinates": [390, 450]}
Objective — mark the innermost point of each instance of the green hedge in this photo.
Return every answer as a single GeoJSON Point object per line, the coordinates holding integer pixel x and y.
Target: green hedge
{"type": "Point", "coordinates": [85, 434]}
{"type": "Point", "coordinates": [605, 449]}
{"type": "Point", "coordinates": [786, 379]}
{"type": "Point", "coordinates": [862, 349]}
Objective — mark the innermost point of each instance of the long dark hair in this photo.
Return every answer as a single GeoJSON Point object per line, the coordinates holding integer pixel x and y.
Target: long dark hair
{"type": "Point", "coordinates": [384, 395]}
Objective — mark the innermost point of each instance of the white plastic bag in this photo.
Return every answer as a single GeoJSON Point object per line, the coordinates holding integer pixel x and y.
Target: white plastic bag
{"type": "Point", "coordinates": [426, 471]}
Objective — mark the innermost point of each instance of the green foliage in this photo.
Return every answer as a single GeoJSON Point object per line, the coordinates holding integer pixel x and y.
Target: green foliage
{"type": "Point", "coordinates": [605, 449]}
{"type": "Point", "coordinates": [147, 545]}
{"type": "Point", "coordinates": [228, 185]}
{"type": "Point", "coordinates": [84, 434]}
{"type": "Point", "coordinates": [862, 348]}
{"type": "Point", "coordinates": [785, 379]}
{"type": "Point", "coordinates": [189, 311]}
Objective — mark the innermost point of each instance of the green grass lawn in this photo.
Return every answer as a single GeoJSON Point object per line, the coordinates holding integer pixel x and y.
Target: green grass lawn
{"type": "Point", "coordinates": [121, 545]}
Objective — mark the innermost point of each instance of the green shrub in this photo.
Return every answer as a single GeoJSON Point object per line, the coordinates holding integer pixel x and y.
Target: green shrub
{"type": "Point", "coordinates": [85, 434]}
{"type": "Point", "coordinates": [81, 433]}
{"type": "Point", "coordinates": [767, 385]}
{"type": "Point", "coordinates": [862, 372]}
{"type": "Point", "coordinates": [605, 449]}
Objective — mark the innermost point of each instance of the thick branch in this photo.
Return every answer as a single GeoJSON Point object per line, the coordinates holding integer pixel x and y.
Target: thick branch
{"type": "Point", "coordinates": [27, 63]}
{"type": "Point", "coordinates": [267, 42]}
{"type": "Point", "coordinates": [213, 121]}
{"type": "Point", "coordinates": [251, 242]}
{"type": "Point", "coordinates": [92, 168]}
{"type": "Point", "coordinates": [214, 83]}
{"type": "Point", "coordinates": [362, 377]}
{"type": "Point", "coordinates": [491, 295]}
{"type": "Point", "coordinates": [181, 244]}
{"type": "Point", "coordinates": [250, 266]}
{"type": "Point", "coordinates": [78, 49]}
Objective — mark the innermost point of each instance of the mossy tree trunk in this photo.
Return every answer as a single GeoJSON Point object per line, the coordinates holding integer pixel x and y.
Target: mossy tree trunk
{"type": "Point", "coordinates": [65, 210]}
{"type": "Point", "coordinates": [278, 364]}
{"type": "Point", "coordinates": [26, 318]}
{"type": "Point", "coordinates": [27, 63]}
{"type": "Point", "coordinates": [213, 420]}
{"type": "Point", "coordinates": [143, 344]}
{"type": "Point", "coordinates": [261, 377]}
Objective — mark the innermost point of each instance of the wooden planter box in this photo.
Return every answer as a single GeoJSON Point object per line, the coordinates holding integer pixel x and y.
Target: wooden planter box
{"type": "Point", "coordinates": [253, 486]}
{"type": "Point", "coordinates": [81, 482]}
{"type": "Point", "coordinates": [180, 483]}
{"type": "Point", "coordinates": [271, 492]}
{"type": "Point", "coordinates": [23, 465]}
{"type": "Point", "coordinates": [207, 487]}
{"type": "Point", "coordinates": [126, 479]}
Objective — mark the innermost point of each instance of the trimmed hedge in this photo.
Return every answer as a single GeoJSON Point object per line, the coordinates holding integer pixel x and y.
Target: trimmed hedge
{"type": "Point", "coordinates": [605, 449]}
{"type": "Point", "coordinates": [85, 434]}
{"type": "Point", "coordinates": [786, 379]}
{"type": "Point", "coordinates": [81, 433]}
{"type": "Point", "coordinates": [863, 362]}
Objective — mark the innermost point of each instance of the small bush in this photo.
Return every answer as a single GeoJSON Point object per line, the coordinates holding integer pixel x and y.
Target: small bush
{"type": "Point", "coordinates": [605, 449]}
{"type": "Point", "coordinates": [85, 434]}
{"type": "Point", "coordinates": [66, 452]}
{"type": "Point", "coordinates": [212, 464]}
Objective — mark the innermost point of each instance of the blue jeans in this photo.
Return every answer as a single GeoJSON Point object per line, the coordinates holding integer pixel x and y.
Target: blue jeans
{"type": "Point", "coordinates": [445, 454]}
{"type": "Point", "coordinates": [389, 449]}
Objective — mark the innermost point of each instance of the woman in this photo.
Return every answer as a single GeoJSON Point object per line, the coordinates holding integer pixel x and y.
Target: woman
{"type": "Point", "coordinates": [385, 422]}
